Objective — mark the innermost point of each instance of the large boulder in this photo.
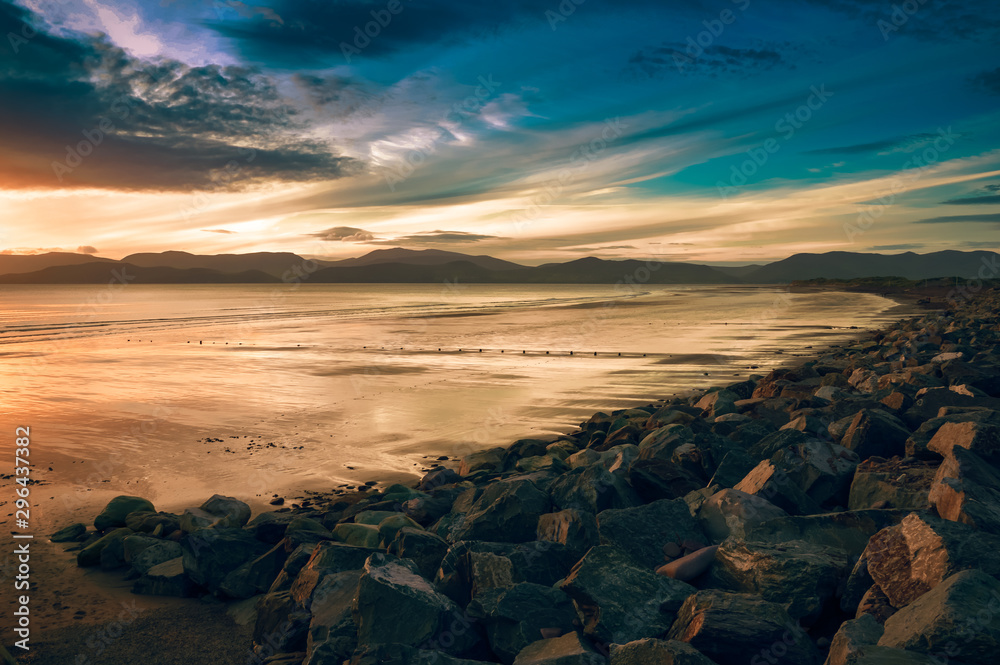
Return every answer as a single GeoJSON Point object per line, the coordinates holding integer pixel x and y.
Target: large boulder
{"type": "Point", "coordinates": [164, 550]}
{"type": "Point", "coordinates": [148, 521]}
{"type": "Point", "coordinates": [659, 652]}
{"type": "Point", "coordinates": [211, 554]}
{"type": "Point", "coordinates": [978, 437]}
{"type": "Point", "coordinates": [569, 649]}
{"type": "Point", "coordinates": [482, 460]}
{"type": "Point", "coordinates": [327, 558]}
{"type": "Point", "coordinates": [507, 509]}
{"type": "Point", "coordinates": [769, 481]}
{"type": "Point", "coordinates": [876, 432]}
{"type": "Point", "coordinates": [166, 578]}
{"type": "Point", "coordinates": [961, 613]}
{"type": "Point", "coordinates": [890, 484]}
{"type": "Point", "coordinates": [576, 529]}
{"type": "Point", "coordinates": [967, 489]}
{"type": "Point", "coordinates": [733, 628]}
{"type": "Point", "coordinates": [231, 513]}
{"type": "Point", "coordinates": [256, 576]}
{"type": "Point", "coordinates": [799, 576]}
{"type": "Point", "coordinates": [619, 601]}
{"type": "Point", "coordinates": [592, 488]}
{"type": "Point", "coordinates": [848, 531]}
{"type": "Point", "coordinates": [423, 548]}
{"type": "Point", "coordinates": [332, 631]}
{"type": "Point", "coordinates": [118, 509]}
{"type": "Point", "coordinates": [91, 554]}
{"type": "Point", "coordinates": [642, 532]}
{"type": "Point", "coordinates": [395, 605]}
{"type": "Point", "coordinates": [822, 470]}
{"type": "Point", "coordinates": [515, 617]}
{"type": "Point", "coordinates": [732, 512]}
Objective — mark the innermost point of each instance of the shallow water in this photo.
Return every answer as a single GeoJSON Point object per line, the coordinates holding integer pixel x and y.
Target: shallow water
{"type": "Point", "coordinates": [121, 387]}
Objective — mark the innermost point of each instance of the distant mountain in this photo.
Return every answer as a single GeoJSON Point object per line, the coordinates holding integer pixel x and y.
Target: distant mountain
{"type": "Point", "coordinates": [738, 271]}
{"type": "Point", "coordinates": [853, 265]}
{"type": "Point", "coordinates": [14, 263]}
{"type": "Point", "coordinates": [114, 272]}
{"type": "Point", "coordinates": [424, 257]}
{"type": "Point", "coordinates": [272, 263]}
{"type": "Point", "coordinates": [583, 271]}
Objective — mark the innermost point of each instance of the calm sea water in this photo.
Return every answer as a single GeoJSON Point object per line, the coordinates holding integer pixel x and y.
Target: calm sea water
{"type": "Point", "coordinates": [320, 385]}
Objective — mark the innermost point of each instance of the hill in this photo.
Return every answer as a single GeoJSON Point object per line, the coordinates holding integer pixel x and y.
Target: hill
{"type": "Point", "coordinates": [116, 272]}
{"type": "Point", "coordinates": [855, 265]}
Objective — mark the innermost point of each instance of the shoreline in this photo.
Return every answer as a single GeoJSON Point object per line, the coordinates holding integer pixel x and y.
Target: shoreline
{"type": "Point", "coordinates": [316, 499]}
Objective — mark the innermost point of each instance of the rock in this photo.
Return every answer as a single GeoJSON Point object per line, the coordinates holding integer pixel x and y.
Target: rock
{"type": "Point", "coordinates": [304, 524]}
{"type": "Point", "coordinates": [774, 442]}
{"type": "Point", "coordinates": [373, 517]}
{"type": "Point", "coordinates": [876, 432]}
{"type": "Point", "coordinates": [395, 605]}
{"type": "Point", "coordinates": [400, 654]}
{"type": "Point", "coordinates": [211, 554]}
{"type": "Point", "coordinates": [900, 485]}
{"type": "Point", "coordinates": [166, 578]}
{"type": "Point", "coordinates": [820, 469]}
{"type": "Point", "coordinates": [194, 519]}
{"type": "Point", "coordinates": [733, 628]}
{"type": "Point", "coordinates": [483, 460]}
{"type": "Point", "coordinates": [91, 554]}
{"type": "Point", "coordinates": [576, 529]}
{"type": "Point", "coordinates": [520, 449]}
{"type": "Point", "coordinates": [358, 535]}
{"type": "Point", "coordinates": [154, 555]}
{"type": "Point", "coordinates": [851, 639]}
{"type": "Point", "coordinates": [913, 557]}
{"type": "Point", "coordinates": [327, 558]}
{"type": "Point", "coordinates": [735, 465]}
{"type": "Point", "coordinates": [655, 479]}
{"type": "Point", "coordinates": [232, 513]}
{"type": "Point", "coordinates": [773, 484]}
{"type": "Point", "coordinates": [659, 652]}
{"type": "Point", "coordinates": [876, 604]}
{"type": "Point", "coordinates": [257, 576]}
{"type": "Point", "coordinates": [295, 562]}
{"type": "Point", "coordinates": [423, 548]}
{"type": "Point", "coordinates": [966, 489]}
{"type": "Point", "coordinates": [332, 631]}
{"type": "Point", "coordinates": [961, 612]}
{"type": "Point", "coordinates": [620, 457]}
{"type": "Point", "coordinates": [732, 512]}
{"type": "Point", "coordinates": [585, 457]}
{"type": "Point", "coordinates": [641, 532]}
{"type": "Point", "coordinates": [718, 403]}
{"type": "Point", "coordinates": [437, 478]}
{"type": "Point", "coordinates": [569, 649]}
{"type": "Point", "coordinates": [619, 601]}
{"type": "Point", "coordinates": [847, 531]}
{"type": "Point", "coordinates": [689, 567]}
{"type": "Point", "coordinates": [390, 526]}
{"type": "Point", "coordinates": [118, 509]}
{"type": "Point", "coordinates": [427, 510]}
{"type": "Point", "coordinates": [69, 533]}
{"type": "Point", "coordinates": [280, 626]}
{"type": "Point", "coordinates": [490, 571]}
{"type": "Point", "coordinates": [980, 438]}
{"type": "Point", "coordinates": [507, 509]}
{"type": "Point", "coordinates": [797, 575]}
{"type": "Point", "coordinates": [931, 400]}
{"type": "Point", "coordinates": [514, 617]}
{"type": "Point", "coordinates": [133, 545]}
{"type": "Point", "coordinates": [147, 521]}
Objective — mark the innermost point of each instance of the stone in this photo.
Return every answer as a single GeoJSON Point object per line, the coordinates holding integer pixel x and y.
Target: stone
{"type": "Point", "coordinates": [931, 400]}
{"type": "Point", "coordinates": [822, 470]}
{"type": "Point", "coordinates": [585, 457]}
{"type": "Point", "coordinates": [400, 654]}
{"type": "Point", "coordinates": [569, 649]}
{"type": "Point", "coordinates": [423, 548]}
{"type": "Point", "coordinates": [147, 521]}
{"type": "Point", "coordinates": [690, 567]}
{"type": "Point", "coordinates": [733, 628]}
{"type": "Point", "coordinates": [520, 449]}
{"type": "Point", "coordinates": [800, 576]}
{"type": "Point", "coordinates": [642, 531]}
{"type": "Point", "coordinates": [427, 510]}
{"type": "Point", "coordinates": [774, 442]}
{"type": "Point", "coordinates": [659, 652]}
{"type": "Point", "coordinates": [962, 612]}
{"type": "Point", "coordinates": [118, 509]}
{"type": "Point", "coordinates": [166, 578]}
{"type": "Point", "coordinates": [876, 604]}
{"type": "Point", "coordinates": [981, 438]}
{"type": "Point", "coordinates": [483, 460]}
{"type": "Point", "coordinates": [847, 531]}
{"type": "Point", "coordinates": [655, 479]}
{"type": "Point", "coordinates": [281, 625]}
{"type": "Point", "coordinates": [395, 605]}
{"type": "Point", "coordinates": [718, 403]}
{"type": "Point", "coordinates": [91, 554]}
{"type": "Point", "coordinates": [327, 558]}
{"type": "Point", "coordinates": [490, 571]}
{"type": "Point", "coordinates": [438, 477]}
{"type": "Point", "coordinates": [876, 432]}
{"type": "Point", "coordinates": [507, 509]}
{"type": "Point", "coordinates": [732, 512]}
{"type": "Point", "coordinates": [966, 489]}
{"type": "Point", "coordinates": [773, 484]}
{"type": "Point", "coordinates": [163, 551]}
{"type": "Point", "coordinates": [211, 554]}
{"type": "Point", "coordinates": [231, 513]}
{"type": "Point", "coordinates": [256, 576]}
{"type": "Point", "coordinates": [133, 545]}
{"type": "Point", "coordinates": [913, 557]}
{"type": "Point", "coordinates": [576, 529]}
{"type": "Point", "coordinates": [735, 465]}
{"type": "Point", "coordinates": [373, 517]}
{"type": "Point", "coordinates": [358, 535]}
{"type": "Point", "coordinates": [304, 524]}
{"type": "Point", "coordinates": [619, 601]}
{"type": "Point", "coordinates": [332, 631]}
{"type": "Point", "coordinates": [900, 485]}
{"type": "Point", "coordinates": [69, 533]}
{"type": "Point", "coordinates": [390, 526]}
{"type": "Point", "coordinates": [515, 616]}
{"type": "Point", "coordinates": [851, 639]}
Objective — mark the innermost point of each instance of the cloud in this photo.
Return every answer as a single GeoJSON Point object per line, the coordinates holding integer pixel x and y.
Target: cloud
{"type": "Point", "coordinates": [86, 249]}
{"type": "Point", "coordinates": [989, 81]}
{"type": "Point", "coordinates": [983, 199]}
{"type": "Point", "coordinates": [716, 60]}
{"type": "Point", "coordinates": [972, 20]}
{"type": "Point", "coordinates": [992, 218]}
{"type": "Point", "coordinates": [339, 97]}
{"type": "Point", "coordinates": [344, 234]}
{"type": "Point", "coordinates": [889, 248]}
{"type": "Point", "coordinates": [439, 238]}
{"type": "Point", "coordinates": [227, 231]}
{"type": "Point", "coordinates": [81, 112]}
{"type": "Point", "coordinates": [884, 147]}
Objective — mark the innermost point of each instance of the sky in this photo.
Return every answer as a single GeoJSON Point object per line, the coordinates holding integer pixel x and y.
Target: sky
{"type": "Point", "coordinates": [719, 131]}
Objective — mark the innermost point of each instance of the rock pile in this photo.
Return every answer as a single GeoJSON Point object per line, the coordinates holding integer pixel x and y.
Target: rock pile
{"type": "Point", "coordinates": [844, 510]}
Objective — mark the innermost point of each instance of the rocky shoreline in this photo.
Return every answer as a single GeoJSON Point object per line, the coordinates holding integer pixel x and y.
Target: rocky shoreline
{"type": "Point", "coordinates": [844, 510]}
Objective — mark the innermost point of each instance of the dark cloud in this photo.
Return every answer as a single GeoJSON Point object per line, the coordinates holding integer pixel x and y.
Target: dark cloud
{"type": "Point", "coordinates": [441, 238]}
{"type": "Point", "coordinates": [984, 196]}
{"type": "Point", "coordinates": [715, 60]}
{"type": "Point", "coordinates": [86, 249]}
{"type": "Point", "coordinates": [344, 234]}
{"type": "Point", "coordinates": [899, 144]}
{"type": "Point", "coordinates": [889, 248]}
{"type": "Point", "coordinates": [933, 20]}
{"type": "Point", "coordinates": [992, 218]}
{"type": "Point", "coordinates": [339, 96]}
{"type": "Point", "coordinates": [80, 112]}
{"type": "Point", "coordinates": [980, 244]}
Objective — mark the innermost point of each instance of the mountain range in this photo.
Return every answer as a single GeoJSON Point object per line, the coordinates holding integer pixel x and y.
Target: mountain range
{"type": "Point", "coordinates": [401, 265]}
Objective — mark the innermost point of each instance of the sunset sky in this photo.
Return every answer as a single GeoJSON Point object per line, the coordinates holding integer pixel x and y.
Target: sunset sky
{"type": "Point", "coordinates": [699, 130]}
